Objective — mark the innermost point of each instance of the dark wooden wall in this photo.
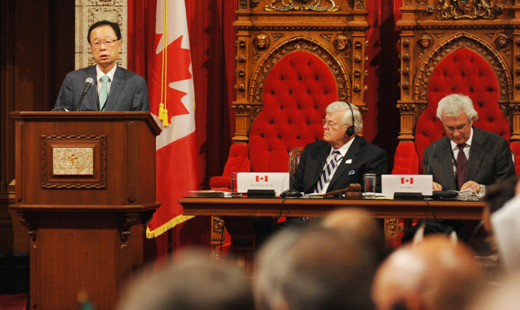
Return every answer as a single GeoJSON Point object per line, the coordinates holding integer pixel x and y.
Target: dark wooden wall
{"type": "Point", "coordinates": [37, 51]}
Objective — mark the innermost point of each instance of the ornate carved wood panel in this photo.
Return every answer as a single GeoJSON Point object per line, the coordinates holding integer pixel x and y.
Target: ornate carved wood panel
{"type": "Point", "coordinates": [267, 30]}
{"type": "Point", "coordinates": [431, 29]}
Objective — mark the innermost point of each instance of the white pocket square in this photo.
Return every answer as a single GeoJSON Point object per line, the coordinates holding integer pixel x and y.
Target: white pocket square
{"type": "Point", "coordinates": [348, 161]}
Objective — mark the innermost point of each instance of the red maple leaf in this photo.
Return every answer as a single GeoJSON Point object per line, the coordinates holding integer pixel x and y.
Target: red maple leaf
{"type": "Point", "coordinates": [178, 62]}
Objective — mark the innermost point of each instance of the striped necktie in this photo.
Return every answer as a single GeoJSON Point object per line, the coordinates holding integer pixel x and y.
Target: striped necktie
{"type": "Point", "coordinates": [103, 93]}
{"type": "Point", "coordinates": [325, 174]}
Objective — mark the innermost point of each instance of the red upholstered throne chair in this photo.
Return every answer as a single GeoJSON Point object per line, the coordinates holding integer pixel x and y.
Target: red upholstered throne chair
{"type": "Point", "coordinates": [461, 72]}
{"type": "Point", "coordinates": [446, 49]}
{"type": "Point", "coordinates": [292, 61]}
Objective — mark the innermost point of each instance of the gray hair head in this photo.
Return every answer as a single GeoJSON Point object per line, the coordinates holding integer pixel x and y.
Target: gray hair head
{"type": "Point", "coordinates": [347, 116]}
{"type": "Point", "coordinates": [454, 105]}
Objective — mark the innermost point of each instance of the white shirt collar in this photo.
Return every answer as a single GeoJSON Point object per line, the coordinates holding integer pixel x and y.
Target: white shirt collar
{"type": "Point", "coordinates": [344, 149]}
{"type": "Point", "coordinates": [110, 73]}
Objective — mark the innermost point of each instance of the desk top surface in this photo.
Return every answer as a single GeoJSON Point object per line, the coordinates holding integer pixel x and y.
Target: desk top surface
{"type": "Point", "coordinates": [314, 207]}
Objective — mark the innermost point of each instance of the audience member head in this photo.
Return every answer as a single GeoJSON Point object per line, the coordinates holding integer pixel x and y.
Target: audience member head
{"type": "Point", "coordinates": [324, 269]}
{"type": "Point", "coordinates": [496, 196]}
{"type": "Point", "coordinates": [361, 224]}
{"type": "Point", "coordinates": [504, 222]}
{"type": "Point", "coordinates": [270, 268]}
{"type": "Point", "coordinates": [190, 282]}
{"type": "Point", "coordinates": [435, 274]}
{"type": "Point", "coordinates": [504, 296]}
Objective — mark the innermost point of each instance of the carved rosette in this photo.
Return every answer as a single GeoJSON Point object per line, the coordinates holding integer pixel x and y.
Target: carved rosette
{"type": "Point", "coordinates": [241, 68]}
{"type": "Point", "coordinates": [293, 45]}
{"type": "Point", "coordinates": [462, 40]}
{"type": "Point", "coordinates": [405, 67]}
{"type": "Point", "coordinates": [357, 67]}
{"type": "Point", "coordinates": [516, 65]}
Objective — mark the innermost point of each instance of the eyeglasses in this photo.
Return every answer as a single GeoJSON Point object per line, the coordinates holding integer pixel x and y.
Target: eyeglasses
{"type": "Point", "coordinates": [330, 124]}
{"type": "Point", "coordinates": [107, 42]}
{"type": "Point", "coordinates": [459, 128]}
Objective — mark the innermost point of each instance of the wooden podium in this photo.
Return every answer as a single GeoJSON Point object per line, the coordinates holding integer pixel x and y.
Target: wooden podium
{"type": "Point", "coordinates": [85, 183]}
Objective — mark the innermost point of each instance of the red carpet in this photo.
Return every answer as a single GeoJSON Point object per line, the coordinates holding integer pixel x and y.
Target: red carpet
{"type": "Point", "coordinates": [13, 302]}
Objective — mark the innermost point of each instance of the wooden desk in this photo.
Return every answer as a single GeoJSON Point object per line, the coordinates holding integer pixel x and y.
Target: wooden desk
{"type": "Point", "coordinates": [238, 214]}
{"type": "Point", "coordinates": [299, 207]}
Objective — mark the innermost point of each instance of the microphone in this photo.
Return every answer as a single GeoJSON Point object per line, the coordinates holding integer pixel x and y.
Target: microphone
{"type": "Point", "coordinates": [430, 159]}
{"type": "Point", "coordinates": [88, 83]}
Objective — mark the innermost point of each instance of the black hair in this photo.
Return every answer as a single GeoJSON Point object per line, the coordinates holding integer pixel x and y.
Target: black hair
{"type": "Point", "coordinates": [100, 23]}
{"type": "Point", "coordinates": [498, 194]}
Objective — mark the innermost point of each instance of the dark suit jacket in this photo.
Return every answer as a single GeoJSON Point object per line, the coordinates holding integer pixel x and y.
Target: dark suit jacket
{"type": "Point", "coordinates": [489, 160]}
{"type": "Point", "coordinates": [365, 157]}
{"type": "Point", "coordinates": [128, 91]}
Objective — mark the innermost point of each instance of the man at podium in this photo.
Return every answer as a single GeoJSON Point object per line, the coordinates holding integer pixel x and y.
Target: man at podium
{"type": "Point", "coordinates": [113, 88]}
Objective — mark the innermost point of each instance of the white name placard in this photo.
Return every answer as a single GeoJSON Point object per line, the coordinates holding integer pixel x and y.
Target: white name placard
{"type": "Point", "coordinates": [406, 183]}
{"type": "Point", "coordinates": [279, 181]}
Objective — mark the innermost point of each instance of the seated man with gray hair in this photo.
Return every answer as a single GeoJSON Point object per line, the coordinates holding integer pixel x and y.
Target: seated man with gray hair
{"type": "Point", "coordinates": [466, 158]}
{"type": "Point", "coordinates": [342, 157]}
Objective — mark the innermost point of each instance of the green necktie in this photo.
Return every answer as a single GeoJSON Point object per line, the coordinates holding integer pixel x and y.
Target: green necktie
{"type": "Point", "coordinates": [103, 93]}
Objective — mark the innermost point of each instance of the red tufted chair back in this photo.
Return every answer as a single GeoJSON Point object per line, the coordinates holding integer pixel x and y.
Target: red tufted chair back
{"type": "Point", "coordinates": [295, 94]}
{"type": "Point", "coordinates": [461, 72]}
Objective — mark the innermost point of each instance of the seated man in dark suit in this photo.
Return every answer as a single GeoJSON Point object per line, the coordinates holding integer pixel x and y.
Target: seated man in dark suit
{"type": "Point", "coordinates": [333, 163]}
{"type": "Point", "coordinates": [484, 160]}
{"type": "Point", "coordinates": [114, 88]}
{"type": "Point", "coordinates": [342, 157]}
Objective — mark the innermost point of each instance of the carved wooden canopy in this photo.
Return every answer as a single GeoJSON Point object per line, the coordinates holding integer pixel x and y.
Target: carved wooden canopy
{"type": "Point", "coordinates": [432, 29]}
{"type": "Point", "coordinates": [268, 30]}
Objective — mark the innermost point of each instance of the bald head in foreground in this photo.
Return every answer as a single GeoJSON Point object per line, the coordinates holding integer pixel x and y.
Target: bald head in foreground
{"type": "Point", "coordinates": [360, 223]}
{"type": "Point", "coordinates": [319, 269]}
{"type": "Point", "coordinates": [436, 274]}
{"type": "Point", "coordinates": [191, 281]}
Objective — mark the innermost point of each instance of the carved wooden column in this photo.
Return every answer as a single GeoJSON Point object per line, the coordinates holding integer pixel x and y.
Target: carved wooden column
{"type": "Point", "coordinates": [407, 121]}
{"type": "Point", "coordinates": [515, 105]}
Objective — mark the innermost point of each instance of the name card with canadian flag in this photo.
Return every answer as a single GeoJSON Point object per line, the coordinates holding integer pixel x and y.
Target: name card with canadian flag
{"type": "Point", "coordinates": [406, 183]}
{"type": "Point", "coordinates": [262, 180]}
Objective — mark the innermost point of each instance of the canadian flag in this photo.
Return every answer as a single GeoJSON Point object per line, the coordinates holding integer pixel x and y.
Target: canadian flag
{"type": "Point", "coordinates": [259, 178]}
{"type": "Point", "coordinates": [172, 103]}
{"type": "Point", "coordinates": [406, 180]}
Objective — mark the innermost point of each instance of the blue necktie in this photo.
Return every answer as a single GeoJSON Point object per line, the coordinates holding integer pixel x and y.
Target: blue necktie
{"type": "Point", "coordinates": [325, 174]}
{"type": "Point", "coordinates": [103, 93]}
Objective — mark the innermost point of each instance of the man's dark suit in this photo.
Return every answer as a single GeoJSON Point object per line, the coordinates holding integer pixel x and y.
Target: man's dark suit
{"type": "Point", "coordinates": [363, 157]}
{"type": "Point", "coordinates": [489, 160]}
{"type": "Point", "coordinates": [128, 91]}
